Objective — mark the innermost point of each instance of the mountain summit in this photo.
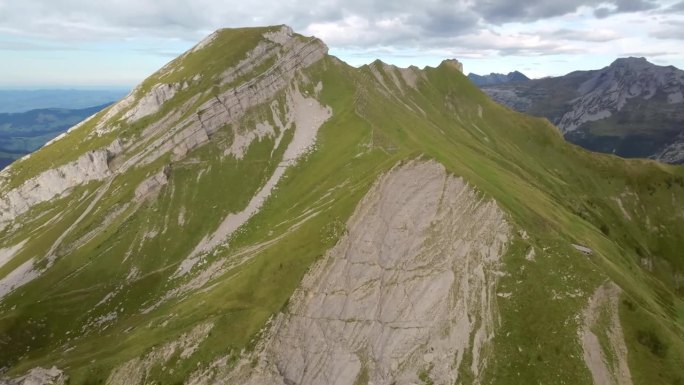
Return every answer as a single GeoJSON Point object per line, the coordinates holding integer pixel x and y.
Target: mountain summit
{"type": "Point", "coordinates": [632, 108]}
{"type": "Point", "coordinates": [259, 212]}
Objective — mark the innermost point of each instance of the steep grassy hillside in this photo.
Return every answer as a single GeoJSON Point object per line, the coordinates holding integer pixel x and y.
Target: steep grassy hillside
{"type": "Point", "coordinates": [133, 274]}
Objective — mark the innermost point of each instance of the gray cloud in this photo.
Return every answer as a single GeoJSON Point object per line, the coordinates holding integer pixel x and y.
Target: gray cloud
{"type": "Point", "coordinates": [674, 8]}
{"type": "Point", "coordinates": [603, 12]}
{"type": "Point", "coordinates": [94, 20]}
{"type": "Point", "coordinates": [636, 5]}
{"type": "Point", "coordinates": [87, 19]}
{"type": "Point", "coordinates": [446, 21]}
{"type": "Point", "coordinates": [503, 11]}
{"type": "Point", "coordinates": [464, 25]}
{"type": "Point", "coordinates": [625, 6]}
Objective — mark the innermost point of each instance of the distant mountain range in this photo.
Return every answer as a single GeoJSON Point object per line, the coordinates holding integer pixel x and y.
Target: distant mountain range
{"type": "Point", "coordinates": [632, 108]}
{"type": "Point", "coordinates": [24, 132]}
{"type": "Point", "coordinates": [493, 78]}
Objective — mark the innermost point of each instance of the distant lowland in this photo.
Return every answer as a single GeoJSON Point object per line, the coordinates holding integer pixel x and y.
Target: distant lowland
{"type": "Point", "coordinates": [12, 101]}
{"type": "Point", "coordinates": [31, 118]}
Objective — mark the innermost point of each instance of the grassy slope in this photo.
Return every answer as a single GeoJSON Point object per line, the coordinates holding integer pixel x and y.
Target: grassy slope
{"type": "Point", "coordinates": [557, 192]}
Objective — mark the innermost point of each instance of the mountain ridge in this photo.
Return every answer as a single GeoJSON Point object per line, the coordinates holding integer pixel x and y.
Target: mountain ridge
{"type": "Point", "coordinates": [179, 237]}
{"type": "Point", "coordinates": [497, 78]}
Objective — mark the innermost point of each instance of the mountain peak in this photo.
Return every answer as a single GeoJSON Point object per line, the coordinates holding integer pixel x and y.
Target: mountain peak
{"type": "Point", "coordinates": [631, 61]}
{"type": "Point", "coordinates": [452, 63]}
{"type": "Point", "coordinates": [497, 78]}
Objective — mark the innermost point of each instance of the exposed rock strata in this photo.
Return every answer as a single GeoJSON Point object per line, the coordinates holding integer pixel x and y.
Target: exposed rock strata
{"type": "Point", "coordinates": [151, 102]}
{"type": "Point", "coordinates": [152, 185]}
{"type": "Point", "coordinates": [39, 376]}
{"type": "Point", "coordinates": [53, 183]}
{"type": "Point", "coordinates": [292, 54]}
{"type": "Point", "coordinates": [136, 370]}
{"type": "Point", "coordinates": [306, 115]}
{"type": "Point", "coordinates": [604, 371]}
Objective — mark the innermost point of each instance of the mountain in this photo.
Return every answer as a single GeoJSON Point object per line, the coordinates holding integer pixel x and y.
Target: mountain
{"type": "Point", "coordinates": [493, 78]}
{"type": "Point", "coordinates": [24, 132]}
{"type": "Point", "coordinates": [14, 101]}
{"type": "Point", "coordinates": [631, 108]}
{"type": "Point", "coordinates": [260, 212]}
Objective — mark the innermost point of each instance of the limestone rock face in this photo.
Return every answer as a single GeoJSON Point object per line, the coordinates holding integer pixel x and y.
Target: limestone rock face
{"type": "Point", "coordinates": [604, 302]}
{"type": "Point", "coordinates": [54, 182]}
{"type": "Point", "coordinates": [410, 288]}
{"type": "Point", "coordinates": [152, 101]}
{"type": "Point", "coordinates": [153, 184]}
{"type": "Point", "coordinates": [39, 376]}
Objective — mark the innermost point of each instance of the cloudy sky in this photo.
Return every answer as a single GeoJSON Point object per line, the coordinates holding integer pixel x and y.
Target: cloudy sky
{"type": "Point", "coordinates": [53, 43]}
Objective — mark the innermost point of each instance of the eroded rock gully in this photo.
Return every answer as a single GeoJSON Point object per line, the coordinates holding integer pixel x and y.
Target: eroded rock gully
{"type": "Point", "coordinates": [604, 371]}
{"type": "Point", "coordinates": [409, 289]}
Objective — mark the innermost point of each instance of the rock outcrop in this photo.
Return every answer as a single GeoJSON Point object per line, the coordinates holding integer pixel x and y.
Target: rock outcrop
{"type": "Point", "coordinates": [137, 370]}
{"type": "Point", "coordinates": [92, 166]}
{"type": "Point", "coordinates": [410, 289]}
{"type": "Point", "coordinates": [151, 102]}
{"type": "Point", "coordinates": [152, 185]}
{"type": "Point", "coordinates": [606, 360]}
{"type": "Point", "coordinates": [306, 115]}
{"type": "Point", "coordinates": [39, 376]}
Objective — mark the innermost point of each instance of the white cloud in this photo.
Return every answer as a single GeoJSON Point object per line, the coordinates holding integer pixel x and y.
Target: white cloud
{"type": "Point", "coordinates": [495, 30]}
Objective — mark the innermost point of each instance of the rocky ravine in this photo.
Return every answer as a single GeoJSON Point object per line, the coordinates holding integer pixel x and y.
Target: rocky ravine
{"type": "Point", "coordinates": [406, 293]}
